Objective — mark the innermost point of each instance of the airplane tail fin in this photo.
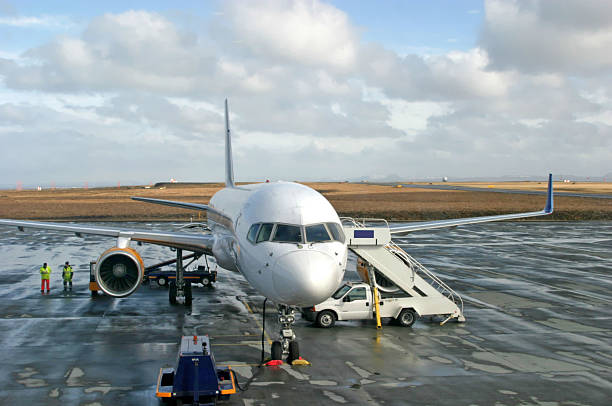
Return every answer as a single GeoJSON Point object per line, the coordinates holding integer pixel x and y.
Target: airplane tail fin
{"type": "Point", "coordinates": [229, 165]}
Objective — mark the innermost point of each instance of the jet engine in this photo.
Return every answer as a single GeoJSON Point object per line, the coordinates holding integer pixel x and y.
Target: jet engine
{"type": "Point", "coordinates": [119, 271]}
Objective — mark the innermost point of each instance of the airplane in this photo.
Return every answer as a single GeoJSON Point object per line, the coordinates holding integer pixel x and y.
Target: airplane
{"type": "Point", "coordinates": [285, 238]}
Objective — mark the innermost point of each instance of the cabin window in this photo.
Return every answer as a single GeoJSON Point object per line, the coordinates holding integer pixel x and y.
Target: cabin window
{"type": "Point", "coordinates": [287, 233]}
{"type": "Point", "coordinates": [252, 235]}
{"type": "Point", "coordinates": [357, 294]}
{"type": "Point", "coordinates": [264, 232]}
{"type": "Point", "coordinates": [317, 233]}
{"type": "Point", "coordinates": [336, 231]}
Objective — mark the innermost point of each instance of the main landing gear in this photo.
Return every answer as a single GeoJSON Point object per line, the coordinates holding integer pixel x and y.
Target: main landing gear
{"type": "Point", "coordinates": [179, 291]}
{"type": "Point", "coordinates": [287, 345]}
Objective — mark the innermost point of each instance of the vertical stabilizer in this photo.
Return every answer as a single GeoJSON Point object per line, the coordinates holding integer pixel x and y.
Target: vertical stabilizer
{"type": "Point", "coordinates": [229, 165]}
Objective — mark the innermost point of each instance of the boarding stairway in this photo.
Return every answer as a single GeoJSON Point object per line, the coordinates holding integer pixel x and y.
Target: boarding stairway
{"type": "Point", "coordinates": [396, 273]}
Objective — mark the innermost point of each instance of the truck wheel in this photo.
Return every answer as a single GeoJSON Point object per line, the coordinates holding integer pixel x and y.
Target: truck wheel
{"type": "Point", "coordinates": [161, 281]}
{"type": "Point", "coordinates": [326, 319]}
{"type": "Point", "coordinates": [276, 351]}
{"type": "Point", "coordinates": [406, 318]}
{"type": "Point", "coordinates": [172, 292]}
{"type": "Point", "coordinates": [294, 351]}
{"type": "Point", "coordinates": [205, 281]}
{"type": "Point", "coordinates": [188, 294]}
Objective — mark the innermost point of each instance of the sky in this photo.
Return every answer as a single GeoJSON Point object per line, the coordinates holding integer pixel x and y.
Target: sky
{"type": "Point", "coordinates": [133, 91]}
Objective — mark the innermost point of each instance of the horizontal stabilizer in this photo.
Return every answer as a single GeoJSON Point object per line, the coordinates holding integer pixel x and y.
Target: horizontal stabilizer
{"type": "Point", "coordinates": [182, 205]}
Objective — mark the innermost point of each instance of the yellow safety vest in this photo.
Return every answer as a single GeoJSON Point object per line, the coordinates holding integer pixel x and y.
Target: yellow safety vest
{"type": "Point", "coordinates": [67, 273]}
{"type": "Point", "coordinates": [44, 272]}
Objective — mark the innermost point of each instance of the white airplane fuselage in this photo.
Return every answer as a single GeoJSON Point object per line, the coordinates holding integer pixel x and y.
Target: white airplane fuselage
{"type": "Point", "coordinates": [302, 273]}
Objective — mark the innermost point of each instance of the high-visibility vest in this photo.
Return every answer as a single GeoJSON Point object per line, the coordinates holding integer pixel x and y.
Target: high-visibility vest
{"type": "Point", "coordinates": [67, 273]}
{"type": "Point", "coordinates": [44, 272]}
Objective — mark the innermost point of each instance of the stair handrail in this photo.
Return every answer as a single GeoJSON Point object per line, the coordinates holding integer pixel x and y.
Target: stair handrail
{"type": "Point", "coordinates": [452, 295]}
{"type": "Point", "coordinates": [361, 222]}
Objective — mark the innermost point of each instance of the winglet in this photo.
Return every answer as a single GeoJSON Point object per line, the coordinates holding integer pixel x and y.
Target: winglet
{"type": "Point", "coordinates": [549, 201]}
{"type": "Point", "coordinates": [229, 166]}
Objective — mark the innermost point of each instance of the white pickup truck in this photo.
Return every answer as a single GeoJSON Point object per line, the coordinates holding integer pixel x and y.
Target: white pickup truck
{"type": "Point", "coordinates": [353, 301]}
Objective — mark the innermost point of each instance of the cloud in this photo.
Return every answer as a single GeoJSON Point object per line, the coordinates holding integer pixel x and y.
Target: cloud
{"type": "Point", "coordinates": [34, 21]}
{"type": "Point", "coordinates": [134, 50]}
{"type": "Point", "coordinates": [453, 76]}
{"type": "Point", "coordinates": [141, 93]}
{"type": "Point", "coordinates": [539, 36]}
{"type": "Point", "coordinates": [308, 32]}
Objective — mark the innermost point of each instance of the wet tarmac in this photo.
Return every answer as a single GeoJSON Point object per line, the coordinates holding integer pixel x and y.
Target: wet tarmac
{"type": "Point", "coordinates": [538, 328]}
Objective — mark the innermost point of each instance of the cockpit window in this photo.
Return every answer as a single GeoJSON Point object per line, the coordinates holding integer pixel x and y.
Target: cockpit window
{"type": "Point", "coordinates": [287, 233]}
{"type": "Point", "coordinates": [340, 292]}
{"type": "Point", "coordinates": [264, 232]}
{"type": "Point", "coordinates": [336, 231]}
{"type": "Point", "coordinates": [253, 232]}
{"type": "Point", "coordinates": [317, 233]}
{"type": "Point", "coordinates": [322, 232]}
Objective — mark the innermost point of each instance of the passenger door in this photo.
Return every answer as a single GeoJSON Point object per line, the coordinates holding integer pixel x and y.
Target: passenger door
{"type": "Point", "coordinates": [356, 304]}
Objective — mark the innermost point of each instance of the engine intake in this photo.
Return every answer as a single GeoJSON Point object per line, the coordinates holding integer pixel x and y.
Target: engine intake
{"type": "Point", "coordinates": [119, 271]}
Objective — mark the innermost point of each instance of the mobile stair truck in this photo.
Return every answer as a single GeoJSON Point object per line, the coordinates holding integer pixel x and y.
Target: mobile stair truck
{"type": "Point", "coordinates": [395, 285]}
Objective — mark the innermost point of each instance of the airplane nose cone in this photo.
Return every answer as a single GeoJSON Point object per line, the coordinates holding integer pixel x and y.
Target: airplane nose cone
{"type": "Point", "coordinates": [306, 277]}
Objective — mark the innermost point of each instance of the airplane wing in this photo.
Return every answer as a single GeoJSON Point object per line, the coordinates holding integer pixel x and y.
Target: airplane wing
{"type": "Point", "coordinates": [201, 243]}
{"type": "Point", "coordinates": [404, 229]}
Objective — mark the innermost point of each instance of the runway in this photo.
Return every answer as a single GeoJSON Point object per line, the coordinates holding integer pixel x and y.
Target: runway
{"type": "Point", "coordinates": [510, 191]}
{"type": "Point", "coordinates": [538, 331]}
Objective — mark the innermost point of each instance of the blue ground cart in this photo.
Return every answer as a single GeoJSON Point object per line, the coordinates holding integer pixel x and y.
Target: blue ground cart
{"type": "Point", "coordinates": [196, 379]}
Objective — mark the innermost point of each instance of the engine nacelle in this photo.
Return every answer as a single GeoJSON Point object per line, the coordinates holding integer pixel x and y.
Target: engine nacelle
{"type": "Point", "coordinates": [119, 271]}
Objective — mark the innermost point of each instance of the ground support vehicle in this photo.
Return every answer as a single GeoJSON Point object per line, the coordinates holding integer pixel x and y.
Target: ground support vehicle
{"type": "Point", "coordinates": [354, 301]}
{"type": "Point", "coordinates": [202, 274]}
{"type": "Point", "coordinates": [196, 379]}
{"type": "Point", "coordinates": [404, 288]}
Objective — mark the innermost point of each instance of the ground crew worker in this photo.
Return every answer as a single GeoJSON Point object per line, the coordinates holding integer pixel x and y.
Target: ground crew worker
{"type": "Point", "coordinates": [45, 271]}
{"type": "Point", "coordinates": [67, 273]}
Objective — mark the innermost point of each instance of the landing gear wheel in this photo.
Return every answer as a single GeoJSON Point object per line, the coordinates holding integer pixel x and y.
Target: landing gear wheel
{"type": "Point", "coordinates": [188, 294]}
{"type": "Point", "coordinates": [172, 292]}
{"type": "Point", "coordinates": [162, 281]}
{"type": "Point", "coordinates": [205, 281]}
{"type": "Point", "coordinates": [276, 351]}
{"type": "Point", "coordinates": [406, 318]}
{"type": "Point", "coordinates": [326, 319]}
{"type": "Point", "coordinates": [294, 351]}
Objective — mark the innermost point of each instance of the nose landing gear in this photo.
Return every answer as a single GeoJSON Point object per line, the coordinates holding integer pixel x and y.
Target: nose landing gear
{"type": "Point", "coordinates": [287, 345]}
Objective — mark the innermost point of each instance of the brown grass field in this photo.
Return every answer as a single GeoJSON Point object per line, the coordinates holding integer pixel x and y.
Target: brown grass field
{"type": "Point", "coordinates": [349, 199]}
